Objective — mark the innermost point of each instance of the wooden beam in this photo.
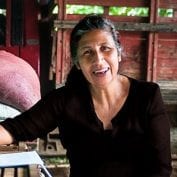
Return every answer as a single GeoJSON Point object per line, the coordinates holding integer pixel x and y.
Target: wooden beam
{"type": "Point", "coordinates": [126, 26]}
{"type": "Point", "coordinates": [127, 3]}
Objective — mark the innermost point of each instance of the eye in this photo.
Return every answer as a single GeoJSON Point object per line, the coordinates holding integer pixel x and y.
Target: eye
{"type": "Point", "coordinates": [87, 52]}
{"type": "Point", "coordinates": [105, 48]}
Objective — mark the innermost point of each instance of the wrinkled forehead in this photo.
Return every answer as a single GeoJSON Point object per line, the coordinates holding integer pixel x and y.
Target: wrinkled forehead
{"type": "Point", "coordinates": [96, 37]}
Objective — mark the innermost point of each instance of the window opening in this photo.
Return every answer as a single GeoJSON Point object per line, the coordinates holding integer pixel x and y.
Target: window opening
{"type": "Point", "coordinates": [129, 11]}
{"type": "Point", "coordinates": [113, 10]}
{"type": "Point", "coordinates": [165, 12]}
{"type": "Point", "coordinates": [83, 9]}
{"type": "Point", "coordinates": [55, 10]}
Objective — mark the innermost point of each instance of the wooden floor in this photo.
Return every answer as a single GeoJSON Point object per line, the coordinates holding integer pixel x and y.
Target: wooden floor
{"type": "Point", "coordinates": [31, 171]}
{"type": "Point", "coordinates": [62, 170]}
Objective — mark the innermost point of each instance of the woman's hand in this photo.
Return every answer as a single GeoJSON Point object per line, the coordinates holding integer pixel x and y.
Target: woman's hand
{"type": "Point", "coordinates": [5, 136]}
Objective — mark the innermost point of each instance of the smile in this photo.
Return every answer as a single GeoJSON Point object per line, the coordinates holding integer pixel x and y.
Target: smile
{"type": "Point", "coordinates": [101, 71]}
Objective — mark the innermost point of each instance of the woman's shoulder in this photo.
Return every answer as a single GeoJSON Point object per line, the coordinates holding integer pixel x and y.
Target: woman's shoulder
{"type": "Point", "coordinates": [63, 94]}
{"type": "Point", "coordinates": [143, 87]}
{"type": "Point", "coordinates": [60, 92]}
{"type": "Point", "coordinates": [143, 84]}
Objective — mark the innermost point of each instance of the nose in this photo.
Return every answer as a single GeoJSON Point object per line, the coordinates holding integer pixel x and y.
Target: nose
{"type": "Point", "coordinates": [98, 56]}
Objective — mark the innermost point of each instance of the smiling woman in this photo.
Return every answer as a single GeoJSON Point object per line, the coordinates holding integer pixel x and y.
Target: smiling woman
{"type": "Point", "coordinates": [110, 124]}
{"type": "Point", "coordinates": [98, 57]}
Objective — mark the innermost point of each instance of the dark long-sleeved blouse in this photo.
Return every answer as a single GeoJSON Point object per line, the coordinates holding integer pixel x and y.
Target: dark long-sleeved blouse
{"type": "Point", "coordinates": [138, 145]}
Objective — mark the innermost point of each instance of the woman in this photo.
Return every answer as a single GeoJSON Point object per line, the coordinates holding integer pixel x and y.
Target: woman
{"type": "Point", "coordinates": [111, 125]}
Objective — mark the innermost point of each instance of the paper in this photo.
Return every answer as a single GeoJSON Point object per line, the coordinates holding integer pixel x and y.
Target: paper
{"type": "Point", "coordinates": [21, 159]}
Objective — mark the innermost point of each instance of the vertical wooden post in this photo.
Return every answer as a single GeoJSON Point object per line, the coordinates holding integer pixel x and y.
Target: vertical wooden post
{"type": "Point", "coordinates": [153, 44]}
{"type": "Point", "coordinates": [59, 54]}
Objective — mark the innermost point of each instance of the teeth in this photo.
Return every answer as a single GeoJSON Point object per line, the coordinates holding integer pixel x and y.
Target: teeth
{"type": "Point", "coordinates": [101, 71]}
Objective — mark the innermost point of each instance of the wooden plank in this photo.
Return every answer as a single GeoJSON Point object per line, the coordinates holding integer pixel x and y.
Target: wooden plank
{"type": "Point", "coordinates": [66, 63]}
{"type": "Point", "coordinates": [154, 64]}
{"type": "Point", "coordinates": [59, 52]}
{"type": "Point", "coordinates": [168, 4]}
{"type": "Point", "coordinates": [167, 62]}
{"type": "Point", "coordinates": [169, 91]}
{"type": "Point", "coordinates": [135, 19]}
{"type": "Point", "coordinates": [166, 74]}
{"type": "Point", "coordinates": [125, 26]}
{"type": "Point", "coordinates": [168, 37]}
{"type": "Point", "coordinates": [170, 101]}
{"type": "Point", "coordinates": [165, 84]}
{"type": "Point", "coordinates": [167, 49]}
{"type": "Point", "coordinates": [167, 20]}
{"type": "Point", "coordinates": [150, 52]}
{"type": "Point", "coordinates": [127, 3]}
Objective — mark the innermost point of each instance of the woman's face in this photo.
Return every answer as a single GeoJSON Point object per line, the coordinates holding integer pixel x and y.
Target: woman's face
{"type": "Point", "coordinates": [98, 57]}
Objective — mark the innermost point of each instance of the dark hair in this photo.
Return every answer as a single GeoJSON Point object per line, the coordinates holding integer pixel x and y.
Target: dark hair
{"type": "Point", "coordinates": [87, 24]}
{"type": "Point", "coordinates": [75, 78]}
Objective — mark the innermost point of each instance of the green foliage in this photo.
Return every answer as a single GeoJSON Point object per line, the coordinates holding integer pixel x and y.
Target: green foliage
{"type": "Point", "coordinates": [55, 160]}
{"type": "Point", "coordinates": [165, 12]}
{"type": "Point", "coordinates": [3, 12]}
{"type": "Point", "coordinates": [120, 11]}
{"type": "Point", "coordinates": [83, 9]}
{"type": "Point", "coordinates": [129, 11]}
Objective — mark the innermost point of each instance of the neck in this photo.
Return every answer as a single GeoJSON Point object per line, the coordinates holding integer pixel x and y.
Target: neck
{"type": "Point", "coordinates": [109, 100]}
{"type": "Point", "coordinates": [110, 93]}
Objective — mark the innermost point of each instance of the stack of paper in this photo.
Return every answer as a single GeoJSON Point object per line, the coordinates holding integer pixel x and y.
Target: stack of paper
{"type": "Point", "coordinates": [22, 159]}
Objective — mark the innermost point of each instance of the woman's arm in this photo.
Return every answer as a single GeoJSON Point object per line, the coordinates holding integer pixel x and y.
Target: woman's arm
{"type": "Point", "coordinates": [5, 136]}
{"type": "Point", "coordinates": [36, 122]}
{"type": "Point", "coordinates": [159, 137]}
